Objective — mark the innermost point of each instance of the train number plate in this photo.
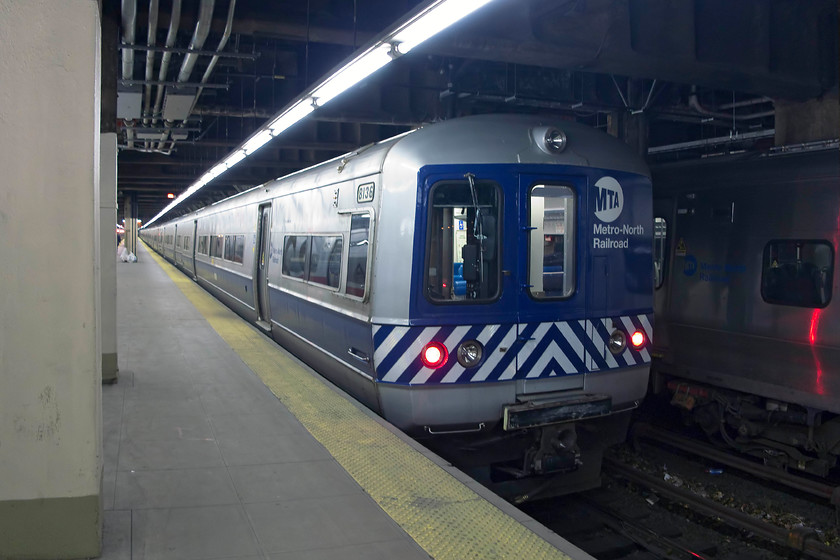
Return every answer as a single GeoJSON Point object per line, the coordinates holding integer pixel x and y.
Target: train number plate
{"type": "Point", "coordinates": [542, 413]}
{"type": "Point", "coordinates": [364, 193]}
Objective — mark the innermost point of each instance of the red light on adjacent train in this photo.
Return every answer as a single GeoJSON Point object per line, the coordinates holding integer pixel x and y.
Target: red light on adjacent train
{"type": "Point", "coordinates": [434, 355]}
{"type": "Point", "coordinates": [637, 339]}
{"type": "Point", "coordinates": [170, 195]}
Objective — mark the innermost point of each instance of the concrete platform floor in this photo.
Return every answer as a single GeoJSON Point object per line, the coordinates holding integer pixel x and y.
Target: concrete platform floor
{"type": "Point", "coordinates": [202, 461]}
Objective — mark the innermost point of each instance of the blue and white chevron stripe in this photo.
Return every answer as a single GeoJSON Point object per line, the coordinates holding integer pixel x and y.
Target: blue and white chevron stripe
{"type": "Point", "coordinates": [513, 351]}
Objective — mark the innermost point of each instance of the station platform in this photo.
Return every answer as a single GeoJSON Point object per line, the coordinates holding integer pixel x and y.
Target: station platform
{"type": "Point", "coordinates": [219, 444]}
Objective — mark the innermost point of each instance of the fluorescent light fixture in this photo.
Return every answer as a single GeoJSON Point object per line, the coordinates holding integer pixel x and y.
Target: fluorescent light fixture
{"type": "Point", "coordinates": [359, 69]}
{"type": "Point", "coordinates": [292, 116]}
{"type": "Point", "coordinates": [217, 170]}
{"type": "Point", "coordinates": [234, 158]}
{"type": "Point", "coordinates": [256, 142]}
{"type": "Point", "coordinates": [394, 42]}
{"type": "Point", "coordinates": [433, 21]}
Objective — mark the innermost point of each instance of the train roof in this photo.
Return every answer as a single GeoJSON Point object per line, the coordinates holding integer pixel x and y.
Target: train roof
{"type": "Point", "coordinates": [479, 139]}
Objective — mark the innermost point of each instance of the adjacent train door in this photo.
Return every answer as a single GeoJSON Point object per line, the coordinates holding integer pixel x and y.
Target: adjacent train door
{"type": "Point", "coordinates": [261, 288]}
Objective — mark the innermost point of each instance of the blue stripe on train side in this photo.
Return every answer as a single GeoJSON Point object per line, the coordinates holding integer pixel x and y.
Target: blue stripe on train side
{"type": "Point", "coordinates": [529, 350]}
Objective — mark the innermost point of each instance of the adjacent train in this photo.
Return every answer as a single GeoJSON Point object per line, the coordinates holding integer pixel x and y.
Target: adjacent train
{"type": "Point", "coordinates": [484, 281]}
{"type": "Point", "coordinates": [746, 302]}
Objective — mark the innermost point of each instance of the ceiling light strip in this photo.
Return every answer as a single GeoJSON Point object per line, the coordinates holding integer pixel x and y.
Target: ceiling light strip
{"type": "Point", "coordinates": [397, 41]}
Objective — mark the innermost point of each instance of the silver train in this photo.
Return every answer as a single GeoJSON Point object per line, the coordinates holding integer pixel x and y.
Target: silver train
{"type": "Point", "coordinates": [747, 311]}
{"type": "Point", "coordinates": [484, 281]}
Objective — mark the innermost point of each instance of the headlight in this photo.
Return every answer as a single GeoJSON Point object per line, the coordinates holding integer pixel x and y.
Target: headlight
{"type": "Point", "coordinates": [617, 342]}
{"type": "Point", "coordinates": [469, 353]}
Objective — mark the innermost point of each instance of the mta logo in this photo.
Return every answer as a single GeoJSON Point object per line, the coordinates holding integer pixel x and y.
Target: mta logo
{"type": "Point", "coordinates": [609, 199]}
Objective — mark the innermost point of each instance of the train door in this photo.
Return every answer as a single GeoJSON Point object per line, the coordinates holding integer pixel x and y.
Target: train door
{"type": "Point", "coordinates": [663, 239]}
{"type": "Point", "coordinates": [192, 250]}
{"type": "Point", "coordinates": [175, 245]}
{"type": "Point", "coordinates": [261, 276]}
{"type": "Point", "coordinates": [551, 301]}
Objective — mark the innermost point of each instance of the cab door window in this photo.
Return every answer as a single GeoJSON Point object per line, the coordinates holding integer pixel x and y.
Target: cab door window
{"type": "Point", "coordinates": [462, 256]}
{"type": "Point", "coordinates": [551, 251]}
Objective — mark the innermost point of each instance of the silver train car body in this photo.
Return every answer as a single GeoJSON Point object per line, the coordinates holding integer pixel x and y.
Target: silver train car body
{"type": "Point", "coordinates": [747, 311]}
{"type": "Point", "coordinates": [359, 265]}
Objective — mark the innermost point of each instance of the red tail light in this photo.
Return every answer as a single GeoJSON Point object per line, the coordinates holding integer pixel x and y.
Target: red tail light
{"type": "Point", "coordinates": [637, 339]}
{"type": "Point", "coordinates": [434, 355]}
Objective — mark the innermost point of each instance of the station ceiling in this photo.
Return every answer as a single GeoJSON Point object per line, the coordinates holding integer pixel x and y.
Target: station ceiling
{"type": "Point", "coordinates": [657, 72]}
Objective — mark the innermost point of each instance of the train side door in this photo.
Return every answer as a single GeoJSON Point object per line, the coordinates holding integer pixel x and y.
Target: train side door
{"type": "Point", "coordinates": [192, 249]}
{"type": "Point", "coordinates": [663, 252]}
{"type": "Point", "coordinates": [261, 276]}
{"type": "Point", "coordinates": [175, 245]}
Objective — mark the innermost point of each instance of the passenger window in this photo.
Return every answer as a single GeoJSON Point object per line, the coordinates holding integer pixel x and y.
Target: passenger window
{"type": "Point", "coordinates": [463, 242]}
{"type": "Point", "coordinates": [357, 255]}
{"type": "Point", "coordinates": [228, 247]}
{"type": "Point", "coordinates": [798, 273]}
{"type": "Point", "coordinates": [238, 248]}
{"type": "Point", "coordinates": [551, 257]}
{"type": "Point", "coordinates": [325, 260]}
{"type": "Point", "coordinates": [295, 256]}
{"type": "Point", "coordinates": [660, 235]}
{"type": "Point", "coordinates": [216, 245]}
{"type": "Point", "coordinates": [202, 245]}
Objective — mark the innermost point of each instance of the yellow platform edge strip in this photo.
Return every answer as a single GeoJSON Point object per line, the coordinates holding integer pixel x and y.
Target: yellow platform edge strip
{"type": "Point", "coordinates": [443, 516]}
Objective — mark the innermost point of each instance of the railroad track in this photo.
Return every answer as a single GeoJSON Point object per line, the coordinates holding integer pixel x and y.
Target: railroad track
{"type": "Point", "coordinates": [655, 506]}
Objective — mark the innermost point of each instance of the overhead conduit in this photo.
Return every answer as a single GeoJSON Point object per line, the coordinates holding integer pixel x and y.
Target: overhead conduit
{"type": "Point", "coordinates": [129, 22]}
{"type": "Point", "coordinates": [202, 30]}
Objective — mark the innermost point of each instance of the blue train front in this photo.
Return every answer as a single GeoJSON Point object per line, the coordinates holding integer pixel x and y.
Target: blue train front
{"type": "Point", "coordinates": [529, 289]}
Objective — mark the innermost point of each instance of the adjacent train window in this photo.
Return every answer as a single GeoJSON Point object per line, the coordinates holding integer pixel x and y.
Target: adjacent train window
{"type": "Point", "coordinates": [202, 245]}
{"type": "Point", "coordinates": [325, 260]}
{"type": "Point", "coordinates": [462, 256]}
{"type": "Point", "coordinates": [295, 256]}
{"type": "Point", "coordinates": [357, 255]}
{"type": "Point", "coordinates": [797, 272]}
{"type": "Point", "coordinates": [551, 255]}
{"type": "Point", "coordinates": [216, 245]}
{"type": "Point", "coordinates": [187, 242]}
{"type": "Point", "coordinates": [660, 235]}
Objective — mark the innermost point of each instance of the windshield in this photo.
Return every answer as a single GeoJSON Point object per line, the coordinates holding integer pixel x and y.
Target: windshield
{"type": "Point", "coordinates": [463, 255]}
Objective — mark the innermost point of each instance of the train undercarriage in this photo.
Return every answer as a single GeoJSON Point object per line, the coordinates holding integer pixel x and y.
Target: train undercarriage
{"type": "Point", "coordinates": [783, 435]}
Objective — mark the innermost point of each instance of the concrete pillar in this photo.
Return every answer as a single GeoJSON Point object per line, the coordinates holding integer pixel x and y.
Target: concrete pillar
{"type": "Point", "coordinates": [108, 225]}
{"type": "Point", "coordinates": [130, 208]}
{"type": "Point", "coordinates": [50, 351]}
{"type": "Point", "coordinates": [808, 121]}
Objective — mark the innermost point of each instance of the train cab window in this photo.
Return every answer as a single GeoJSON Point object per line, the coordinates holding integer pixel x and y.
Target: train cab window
{"type": "Point", "coordinates": [325, 260]}
{"type": "Point", "coordinates": [216, 245]}
{"type": "Point", "coordinates": [295, 256]}
{"type": "Point", "coordinates": [462, 256]}
{"type": "Point", "coordinates": [660, 235]}
{"type": "Point", "coordinates": [357, 255]}
{"type": "Point", "coordinates": [551, 252]}
{"type": "Point", "coordinates": [797, 272]}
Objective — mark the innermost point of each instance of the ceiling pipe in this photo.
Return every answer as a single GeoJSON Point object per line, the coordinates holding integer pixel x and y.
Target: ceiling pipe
{"type": "Point", "coordinates": [129, 23]}
{"type": "Point", "coordinates": [694, 103]}
{"type": "Point", "coordinates": [151, 38]}
{"type": "Point", "coordinates": [202, 30]}
{"type": "Point", "coordinates": [171, 35]}
{"type": "Point", "coordinates": [222, 42]}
